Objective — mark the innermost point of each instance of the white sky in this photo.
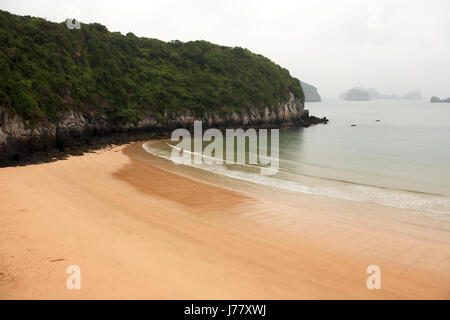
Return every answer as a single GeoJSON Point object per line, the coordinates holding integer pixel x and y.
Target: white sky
{"type": "Point", "coordinates": [393, 46]}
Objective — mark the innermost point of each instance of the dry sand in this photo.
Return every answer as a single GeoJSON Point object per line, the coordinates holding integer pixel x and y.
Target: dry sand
{"type": "Point", "coordinates": [138, 230]}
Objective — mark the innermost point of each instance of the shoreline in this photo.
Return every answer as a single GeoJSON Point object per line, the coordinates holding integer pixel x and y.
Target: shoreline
{"type": "Point", "coordinates": [139, 228]}
{"type": "Point", "coordinates": [20, 148]}
{"type": "Point", "coordinates": [310, 184]}
{"type": "Point", "coordinates": [35, 149]}
{"type": "Point", "coordinates": [92, 144]}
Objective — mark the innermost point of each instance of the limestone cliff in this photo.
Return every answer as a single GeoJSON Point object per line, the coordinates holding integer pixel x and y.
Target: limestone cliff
{"type": "Point", "coordinates": [17, 140]}
{"type": "Point", "coordinates": [311, 93]}
{"type": "Point", "coordinates": [101, 83]}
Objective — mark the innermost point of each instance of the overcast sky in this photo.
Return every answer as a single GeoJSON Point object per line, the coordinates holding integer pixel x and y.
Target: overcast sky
{"type": "Point", "coordinates": [393, 46]}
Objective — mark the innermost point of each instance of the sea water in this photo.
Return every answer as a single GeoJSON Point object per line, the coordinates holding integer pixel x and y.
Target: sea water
{"type": "Point", "coordinates": [394, 153]}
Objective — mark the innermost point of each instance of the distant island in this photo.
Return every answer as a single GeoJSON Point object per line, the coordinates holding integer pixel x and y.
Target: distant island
{"type": "Point", "coordinates": [311, 94]}
{"type": "Point", "coordinates": [435, 99]}
{"type": "Point", "coordinates": [373, 94]}
{"type": "Point", "coordinates": [356, 95]}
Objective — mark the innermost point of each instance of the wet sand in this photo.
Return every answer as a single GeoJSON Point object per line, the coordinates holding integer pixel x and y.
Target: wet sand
{"type": "Point", "coordinates": [138, 228]}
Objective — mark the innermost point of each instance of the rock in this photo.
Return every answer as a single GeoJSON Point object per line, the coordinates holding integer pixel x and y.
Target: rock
{"type": "Point", "coordinates": [356, 95]}
{"type": "Point", "coordinates": [311, 94]}
{"type": "Point", "coordinates": [19, 143]}
{"type": "Point", "coordinates": [308, 120]}
{"type": "Point", "coordinates": [435, 99]}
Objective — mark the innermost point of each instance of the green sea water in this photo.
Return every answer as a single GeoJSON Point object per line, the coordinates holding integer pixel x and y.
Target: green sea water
{"type": "Point", "coordinates": [394, 153]}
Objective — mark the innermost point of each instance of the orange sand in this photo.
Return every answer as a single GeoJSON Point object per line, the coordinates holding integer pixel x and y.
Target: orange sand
{"type": "Point", "coordinates": [138, 230]}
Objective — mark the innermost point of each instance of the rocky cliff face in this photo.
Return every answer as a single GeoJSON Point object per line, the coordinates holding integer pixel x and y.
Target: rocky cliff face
{"type": "Point", "coordinates": [311, 93]}
{"type": "Point", "coordinates": [75, 128]}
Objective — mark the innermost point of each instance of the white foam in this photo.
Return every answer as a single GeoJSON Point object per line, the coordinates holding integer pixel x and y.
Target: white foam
{"type": "Point", "coordinates": [348, 191]}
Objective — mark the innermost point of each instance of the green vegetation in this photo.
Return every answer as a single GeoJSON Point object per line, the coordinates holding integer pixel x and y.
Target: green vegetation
{"type": "Point", "coordinates": [46, 68]}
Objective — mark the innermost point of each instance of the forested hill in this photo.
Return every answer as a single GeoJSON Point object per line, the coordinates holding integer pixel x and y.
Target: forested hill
{"type": "Point", "coordinates": [47, 68]}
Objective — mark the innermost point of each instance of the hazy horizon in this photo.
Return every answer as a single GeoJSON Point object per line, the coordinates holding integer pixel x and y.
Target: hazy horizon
{"type": "Point", "coordinates": [392, 47]}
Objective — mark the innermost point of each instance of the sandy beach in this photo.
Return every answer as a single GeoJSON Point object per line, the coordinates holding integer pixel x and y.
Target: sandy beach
{"type": "Point", "coordinates": [141, 229]}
